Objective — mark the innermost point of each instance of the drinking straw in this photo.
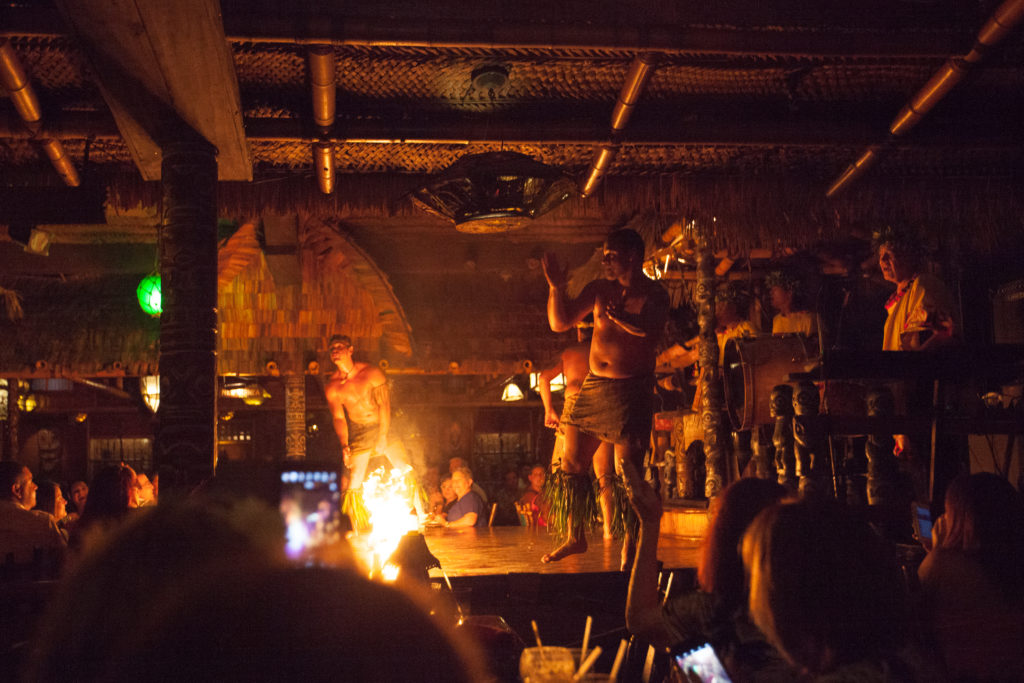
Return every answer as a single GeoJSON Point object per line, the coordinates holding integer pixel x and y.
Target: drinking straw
{"type": "Point", "coordinates": [536, 633]}
{"type": "Point", "coordinates": [619, 657]}
{"type": "Point", "coordinates": [586, 638]}
{"type": "Point", "coordinates": [668, 587]}
{"type": "Point", "coordinates": [589, 662]}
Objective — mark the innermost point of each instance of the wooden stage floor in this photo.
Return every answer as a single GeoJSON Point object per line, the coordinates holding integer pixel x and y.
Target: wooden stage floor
{"type": "Point", "coordinates": [512, 550]}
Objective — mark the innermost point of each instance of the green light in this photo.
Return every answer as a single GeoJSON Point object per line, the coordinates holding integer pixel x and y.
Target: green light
{"type": "Point", "coordinates": [148, 293]}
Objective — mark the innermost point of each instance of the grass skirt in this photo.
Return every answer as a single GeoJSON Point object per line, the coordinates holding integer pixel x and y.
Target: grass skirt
{"type": "Point", "coordinates": [574, 509]}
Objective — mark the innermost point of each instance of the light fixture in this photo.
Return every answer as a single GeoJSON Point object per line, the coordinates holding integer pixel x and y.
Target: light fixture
{"type": "Point", "coordinates": [149, 386]}
{"type": "Point", "coordinates": [81, 417]}
{"type": "Point", "coordinates": [490, 78]}
{"type": "Point", "coordinates": [250, 391]}
{"type": "Point", "coordinates": [256, 397]}
{"type": "Point", "coordinates": [148, 292]}
{"type": "Point", "coordinates": [27, 403]}
{"type": "Point", "coordinates": [34, 240]}
{"type": "Point", "coordinates": [39, 242]}
{"type": "Point", "coordinates": [512, 392]}
{"type": "Point", "coordinates": [557, 383]}
{"type": "Point", "coordinates": [494, 192]}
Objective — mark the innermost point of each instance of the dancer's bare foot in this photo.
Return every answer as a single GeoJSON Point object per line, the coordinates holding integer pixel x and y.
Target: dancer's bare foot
{"type": "Point", "coordinates": [573, 546]}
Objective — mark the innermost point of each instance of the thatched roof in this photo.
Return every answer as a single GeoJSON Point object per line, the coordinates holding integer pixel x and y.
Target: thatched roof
{"type": "Point", "coordinates": [751, 112]}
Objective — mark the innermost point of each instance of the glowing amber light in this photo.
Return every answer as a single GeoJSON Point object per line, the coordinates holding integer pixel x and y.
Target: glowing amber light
{"type": "Point", "coordinates": [390, 502]}
{"type": "Point", "coordinates": [512, 392]}
{"type": "Point", "coordinates": [150, 389]}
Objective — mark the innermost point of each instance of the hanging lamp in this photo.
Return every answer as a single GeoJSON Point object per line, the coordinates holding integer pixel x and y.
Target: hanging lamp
{"type": "Point", "coordinates": [494, 192]}
{"type": "Point", "coordinates": [148, 293]}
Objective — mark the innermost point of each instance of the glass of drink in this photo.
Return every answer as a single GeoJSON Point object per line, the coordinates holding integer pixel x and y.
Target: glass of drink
{"type": "Point", "coordinates": [546, 664]}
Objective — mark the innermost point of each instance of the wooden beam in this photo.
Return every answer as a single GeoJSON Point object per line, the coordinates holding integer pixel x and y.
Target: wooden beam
{"type": "Point", "coordinates": [885, 29]}
{"type": "Point", "coordinates": [161, 66]}
{"type": "Point", "coordinates": [637, 33]}
{"type": "Point", "coordinates": [795, 131]}
{"type": "Point", "coordinates": [67, 260]}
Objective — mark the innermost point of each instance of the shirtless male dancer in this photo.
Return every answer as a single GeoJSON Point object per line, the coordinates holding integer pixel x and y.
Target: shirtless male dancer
{"type": "Point", "coordinates": [360, 404]}
{"type": "Point", "coordinates": [574, 364]}
{"type": "Point", "coordinates": [614, 405]}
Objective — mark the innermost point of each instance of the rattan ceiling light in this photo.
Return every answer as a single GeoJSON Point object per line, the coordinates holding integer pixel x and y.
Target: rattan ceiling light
{"type": "Point", "coordinates": [494, 192]}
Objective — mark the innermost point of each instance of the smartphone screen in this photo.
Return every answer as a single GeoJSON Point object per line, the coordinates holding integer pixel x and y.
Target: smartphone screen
{"type": "Point", "coordinates": [702, 664]}
{"type": "Point", "coordinates": [923, 523]}
{"type": "Point", "coordinates": [310, 504]}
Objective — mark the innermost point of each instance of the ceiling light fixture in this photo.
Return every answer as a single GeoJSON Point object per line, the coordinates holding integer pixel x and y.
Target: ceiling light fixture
{"type": "Point", "coordinates": [494, 192]}
{"type": "Point", "coordinates": [148, 293]}
{"type": "Point", "coordinates": [512, 392]}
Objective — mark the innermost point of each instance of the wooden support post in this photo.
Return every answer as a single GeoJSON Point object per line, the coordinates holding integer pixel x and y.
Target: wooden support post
{"type": "Point", "coordinates": [855, 472]}
{"type": "Point", "coordinates": [882, 470]}
{"type": "Point", "coordinates": [186, 434]}
{"type": "Point", "coordinates": [712, 401]}
{"type": "Point", "coordinates": [295, 416]}
{"type": "Point", "coordinates": [13, 420]}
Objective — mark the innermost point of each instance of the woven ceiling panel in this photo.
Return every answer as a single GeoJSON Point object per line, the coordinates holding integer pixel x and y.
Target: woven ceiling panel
{"type": "Point", "coordinates": [644, 159]}
{"type": "Point", "coordinates": [52, 63]}
{"type": "Point", "coordinates": [446, 76]}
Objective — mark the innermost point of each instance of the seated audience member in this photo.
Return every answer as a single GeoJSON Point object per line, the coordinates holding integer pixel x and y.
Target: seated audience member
{"type": "Point", "coordinates": [717, 612]}
{"type": "Point", "coordinates": [220, 604]}
{"type": "Point", "coordinates": [457, 463]}
{"type": "Point", "coordinates": [145, 490]}
{"type": "Point", "coordinates": [448, 492]}
{"type": "Point", "coordinates": [50, 501]}
{"type": "Point", "coordinates": [112, 495]}
{"type": "Point", "coordinates": [469, 509]}
{"type": "Point", "coordinates": [532, 497]}
{"type": "Point", "coordinates": [829, 594]}
{"type": "Point", "coordinates": [432, 489]}
{"type": "Point", "coordinates": [79, 493]}
{"type": "Point", "coordinates": [23, 531]}
{"type": "Point", "coordinates": [972, 581]}
{"type": "Point", "coordinates": [506, 498]}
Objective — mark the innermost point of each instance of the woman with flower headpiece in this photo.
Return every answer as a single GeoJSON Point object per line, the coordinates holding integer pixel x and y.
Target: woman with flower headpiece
{"type": "Point", "coordinates": [785, 293]}
{"type": "Point", "coordinates": [919, 314]}
{"type": "Point", "coordinates": [920, 311]}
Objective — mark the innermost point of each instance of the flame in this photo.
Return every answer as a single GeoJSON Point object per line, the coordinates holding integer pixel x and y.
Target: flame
{"type": "Point", "coordinates": [389, 498]}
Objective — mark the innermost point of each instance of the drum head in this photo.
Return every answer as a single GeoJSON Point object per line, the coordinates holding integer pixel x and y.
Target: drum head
{"type": "Point", "coordinates": [752, 367]}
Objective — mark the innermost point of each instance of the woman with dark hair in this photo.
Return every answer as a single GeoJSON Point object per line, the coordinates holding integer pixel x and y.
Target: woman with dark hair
{"type": "Point", "coordinates": [111, 495]}
{"type": "Point", "coordinates": [717, 612]}
{"type": "Point", "coordinates": [973, 580]}
{"type": "Point", "coordinates": [50, 500]}
{"type": "Point", "coordinates": [828, 593]}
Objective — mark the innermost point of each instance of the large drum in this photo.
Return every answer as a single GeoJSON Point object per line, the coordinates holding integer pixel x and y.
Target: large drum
{"type": "Point", "coordinates": [752, 367]}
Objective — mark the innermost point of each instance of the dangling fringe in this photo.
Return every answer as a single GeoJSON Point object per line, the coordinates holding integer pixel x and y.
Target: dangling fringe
{"type": "Point", "coordinates": [353, 506]}
{"type": "Point", "coordinates": [572, 498]}
{"type": "Point", "coordinates": [623, 515]}
{"type": "Point", "coordinates": [628, 521]}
